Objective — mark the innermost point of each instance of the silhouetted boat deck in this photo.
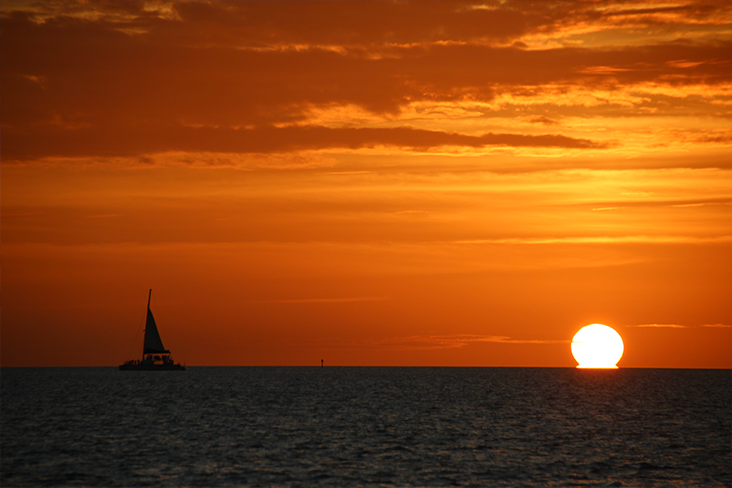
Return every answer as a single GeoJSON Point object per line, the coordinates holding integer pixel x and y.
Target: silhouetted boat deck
{"type": "Point", "coordinates": [154, 355]}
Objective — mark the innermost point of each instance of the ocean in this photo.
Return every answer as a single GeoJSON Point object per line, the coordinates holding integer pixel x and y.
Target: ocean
{"type": "Point", "coordinates": [352, 426]}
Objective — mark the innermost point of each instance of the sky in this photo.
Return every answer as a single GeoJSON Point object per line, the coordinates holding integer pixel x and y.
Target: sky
{"type": "Point", "coordinates": [367, 183]}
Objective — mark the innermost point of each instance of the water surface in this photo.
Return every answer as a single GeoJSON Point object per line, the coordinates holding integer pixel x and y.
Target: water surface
{"type": "Point", "coordinates": [290, 426]}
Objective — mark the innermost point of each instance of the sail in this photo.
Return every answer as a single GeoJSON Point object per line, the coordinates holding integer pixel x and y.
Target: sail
{"type": "Point", "coordinates": [153, 342]}
{"type": "Point", "coordinates": [154, 355]}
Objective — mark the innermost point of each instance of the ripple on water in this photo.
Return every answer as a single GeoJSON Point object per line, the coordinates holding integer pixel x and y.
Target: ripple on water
{"type": "Point", "coordinates": [365, 427]}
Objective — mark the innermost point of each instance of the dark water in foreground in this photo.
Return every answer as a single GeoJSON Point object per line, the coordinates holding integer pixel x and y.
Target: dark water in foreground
{"type": "Point", "coordinates": [365, 427]}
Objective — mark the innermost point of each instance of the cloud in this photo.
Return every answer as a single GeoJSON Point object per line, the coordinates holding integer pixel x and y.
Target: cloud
{"type": "Point", "coordinates": [426, 342]}
{"type": "Point", "coordinates": [247, 76]}
{"type": "Point", "coordinates": [326, 300]}
{"type": "Point", "coordinates": [102, 216]}
{"type": "Point", "coordinates": [677, 326]}
{"type": "Point", "coordinates": [257, 24]}
{"type": "Point", "coordinates": [116, 140]}
{"type": "Point", "coordinates": [703, 204]}
{"type": "Point", "coordinates": [664, 326]}
{"type": "Point", "coordinates": [640, 239]}
{"type": "Point", "coordinates": [541, 119]}
{"type": "Point", "coordinates": [656, 202]}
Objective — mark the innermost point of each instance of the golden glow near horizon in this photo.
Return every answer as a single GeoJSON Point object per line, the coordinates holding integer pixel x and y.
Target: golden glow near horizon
{"type": "Point", "coordinates": [597, 346]}
{"type": "Point", "coordinates": [369, 183]}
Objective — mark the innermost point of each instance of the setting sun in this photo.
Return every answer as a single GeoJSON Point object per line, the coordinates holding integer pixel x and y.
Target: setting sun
{"type": "Point", "coordinates": [597, 346]}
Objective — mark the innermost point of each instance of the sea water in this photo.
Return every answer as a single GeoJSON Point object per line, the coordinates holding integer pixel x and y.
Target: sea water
{"type": "Point", "coordinates": [341, 427]}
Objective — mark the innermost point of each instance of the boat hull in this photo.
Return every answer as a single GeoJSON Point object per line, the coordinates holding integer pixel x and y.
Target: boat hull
{"type": "Point", "coordinates": [152, 367]}
{"type": "Point", "coordinates": [154, 355]}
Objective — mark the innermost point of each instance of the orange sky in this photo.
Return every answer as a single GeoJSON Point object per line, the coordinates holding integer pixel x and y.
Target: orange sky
{"type": "Point", "coordinates": [368, 183]}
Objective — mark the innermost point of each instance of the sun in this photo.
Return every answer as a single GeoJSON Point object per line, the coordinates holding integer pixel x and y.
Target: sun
{"type": "Point", "coordinates": [597, 346]}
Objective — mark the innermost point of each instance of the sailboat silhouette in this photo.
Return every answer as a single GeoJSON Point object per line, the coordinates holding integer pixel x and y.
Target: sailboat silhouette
{"type": "Point", "coordinates": [154, 355]}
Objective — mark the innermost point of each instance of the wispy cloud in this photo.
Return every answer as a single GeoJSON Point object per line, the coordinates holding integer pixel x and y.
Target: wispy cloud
{"type": "Point", "coordinates": [665, 326]}
{"type": "Point", "coordinates": [703, 204]}
{"type": "Point", "coordinates": [422, 342]}
{"type": "Point", "coordinates": [265, 139]}
{"type": "Point", "coordinates": [326, 300]}
{"type": "Point", "coordinates": [679, 326]}
{"type": "Point", "coordinates": [600, 240]}
{"type": "Point", "coordinates": [102, 216]}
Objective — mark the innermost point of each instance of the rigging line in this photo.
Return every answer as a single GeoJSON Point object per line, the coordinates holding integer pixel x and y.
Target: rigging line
{"type": "Point", "coordinates": [129, 350]}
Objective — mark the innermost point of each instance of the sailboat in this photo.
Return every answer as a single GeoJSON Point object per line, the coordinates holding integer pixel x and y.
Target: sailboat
{"type": "Point", "coordinates": [154, 355]}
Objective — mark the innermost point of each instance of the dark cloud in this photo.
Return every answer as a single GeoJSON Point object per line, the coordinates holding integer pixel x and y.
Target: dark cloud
{"type": "Point", "coordinates": [131, 73]}
{"type": "Point", "coordinates": [541, 119]}
{"type": "Point", "coordinates": [108, 141]}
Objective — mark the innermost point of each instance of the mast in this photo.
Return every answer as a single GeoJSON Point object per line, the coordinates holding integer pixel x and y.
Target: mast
{"type": "Point", "coordinates": [144, 341]}
{"type": "Point", "coordinates": [153, 343]}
